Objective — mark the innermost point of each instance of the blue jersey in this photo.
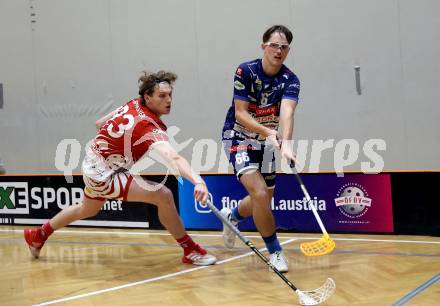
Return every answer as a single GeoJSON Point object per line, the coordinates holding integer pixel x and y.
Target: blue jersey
{"type": "Point", "coordinates": [264, 94]}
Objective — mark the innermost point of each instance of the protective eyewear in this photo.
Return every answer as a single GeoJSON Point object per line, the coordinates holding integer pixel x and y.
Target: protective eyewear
{"type": "Point", "coordinates": [274, 45]}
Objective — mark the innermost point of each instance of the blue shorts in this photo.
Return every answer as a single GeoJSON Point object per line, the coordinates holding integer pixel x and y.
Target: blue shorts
{"type": "Point", "coordinates": [251, 154]}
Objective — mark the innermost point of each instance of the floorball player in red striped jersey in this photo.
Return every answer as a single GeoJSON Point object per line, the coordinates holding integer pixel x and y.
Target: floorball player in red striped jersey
{"type": "Point", "coordinates": [124, 137]}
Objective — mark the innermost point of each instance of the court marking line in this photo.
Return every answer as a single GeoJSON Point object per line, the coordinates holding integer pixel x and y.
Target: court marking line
{"type": "Point", "coordinates": [385, 253]}
{"type": "Point", "coordinates": [380, 240]}
{"type": "Point", "coordinates": [413, 293]}
{"type": "Point", "coordinates": [220, 235]}
{"type": "Point", "coordinates": [174, 245]}
{"type": "Point", "coordinates": [150, 280]}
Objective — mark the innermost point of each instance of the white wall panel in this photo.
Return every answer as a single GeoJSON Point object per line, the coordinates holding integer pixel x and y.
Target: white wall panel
{"type": "Point", "coordinates": [18, 144]}
{"type": "Point", "coordinates": [72, 50]}
{"type": "Point", "coordinates": [72, 61]}
{"type": "Point", "coordinates": [420, 45]}
{"type": "Point", "coordinates": [331, 38]}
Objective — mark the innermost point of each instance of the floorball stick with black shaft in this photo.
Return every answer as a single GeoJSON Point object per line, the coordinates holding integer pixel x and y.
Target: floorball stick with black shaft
{"type": "Point", "coordinates": [312, 297]}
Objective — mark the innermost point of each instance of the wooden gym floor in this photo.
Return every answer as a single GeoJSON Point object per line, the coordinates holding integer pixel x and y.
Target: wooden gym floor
{"type": "Point", "coordinates": [133, 267]}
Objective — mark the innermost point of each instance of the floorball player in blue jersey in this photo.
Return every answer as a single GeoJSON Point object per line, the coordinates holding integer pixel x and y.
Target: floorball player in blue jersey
{"type": "Point", "coordinates": [265, 96]}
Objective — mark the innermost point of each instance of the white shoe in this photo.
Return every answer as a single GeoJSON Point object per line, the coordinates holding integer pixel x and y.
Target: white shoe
{"type": "Point", "coordinates": [278, 260]}
{"type": "Point", "coordinates": [202, 260]}
{"type": "Point", "coordinates": [228, 235]}
{"type": "Point", "coordinates": [199, 257]}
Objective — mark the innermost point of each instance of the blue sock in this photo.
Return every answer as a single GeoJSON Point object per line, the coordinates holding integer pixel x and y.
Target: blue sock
{"type": "Point", "coordinates": [236, 215]}
{"type": "Point", "coordinates": [272, 243]}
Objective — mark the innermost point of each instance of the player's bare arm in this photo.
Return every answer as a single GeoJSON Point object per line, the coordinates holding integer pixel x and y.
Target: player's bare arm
{"type": "Point", "coordinates": [287, 121]}
{"type": "Point", "coordinates": [101, 121]}
{"type": "Point", "coordinates": [165, 150]}
{"type": "Point", "coordinates": [244, 118]}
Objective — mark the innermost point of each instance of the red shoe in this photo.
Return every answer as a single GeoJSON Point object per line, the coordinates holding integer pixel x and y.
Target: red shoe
{"type": "Point", "coordinates": [34, 241]}
{"type": "Point", "coordinates": [199, 257]}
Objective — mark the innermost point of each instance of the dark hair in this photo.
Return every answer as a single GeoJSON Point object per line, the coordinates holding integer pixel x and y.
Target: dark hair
{"type": "Point", "coordinates": [149, 80]}
{"type": "Point", "coordinates": [280, 29]}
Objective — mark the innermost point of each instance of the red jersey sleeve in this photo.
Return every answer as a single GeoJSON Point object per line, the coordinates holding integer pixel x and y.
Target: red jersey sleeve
{"type": "Point", "coordinates": [148, 134]}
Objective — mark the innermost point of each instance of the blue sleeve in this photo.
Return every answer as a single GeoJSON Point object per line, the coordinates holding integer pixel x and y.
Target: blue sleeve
{"type": "Point", "coordinates": [242, 83]}
{"type": "Point", "coordinates": [291, 89]}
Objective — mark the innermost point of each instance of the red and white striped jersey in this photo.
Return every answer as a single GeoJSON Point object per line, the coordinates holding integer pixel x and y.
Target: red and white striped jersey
{"type": "Point", "coordinates": [128, 135]}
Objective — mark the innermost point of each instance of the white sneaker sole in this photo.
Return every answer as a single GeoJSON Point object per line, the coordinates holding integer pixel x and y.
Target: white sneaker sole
{"type": "Point", "coordinates": [281, 269]}
{"type": "Point", "coordinates": [205, 260]}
